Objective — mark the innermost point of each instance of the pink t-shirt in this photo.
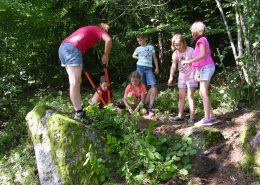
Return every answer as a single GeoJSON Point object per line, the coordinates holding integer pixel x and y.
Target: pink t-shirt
{"type": "Point", "coordinates": [207, 60]}
{"type": "Point", "coordinates": [186, 55]}
{"type": "Point", "coordinates": [85, 37]}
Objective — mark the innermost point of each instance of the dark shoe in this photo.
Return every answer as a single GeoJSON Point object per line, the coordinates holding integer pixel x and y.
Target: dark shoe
{"type": "Point", "coordinates": [176, 119]}
{"type": "Point", "coordinates": [191, 121]}
{"type": "Point", "coordinates": [82, 117]}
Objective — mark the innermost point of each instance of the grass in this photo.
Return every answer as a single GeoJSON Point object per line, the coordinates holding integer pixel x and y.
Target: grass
{"type": "Point", "coordinates": [18, 166]}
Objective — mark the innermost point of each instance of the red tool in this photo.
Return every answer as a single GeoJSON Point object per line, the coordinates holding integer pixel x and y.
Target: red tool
{"type": "Point", "coordinates": [108, 84]}
{"type": "Point", "coordinates": [94, 87]}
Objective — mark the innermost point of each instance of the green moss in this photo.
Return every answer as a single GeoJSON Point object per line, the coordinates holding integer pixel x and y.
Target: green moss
{"type": "Point", "coordinates": [68, 149]}
{"type": "Point", "coordinates": [68, 145]}
{"type": "Point", "coordinates": [256, 171]}
{"type": "Point", "coordinates": [206, 137]}
{"type": "Point", "coordinates": [33, 119]}
{"type": "Point", "coordinates": [251, 159]}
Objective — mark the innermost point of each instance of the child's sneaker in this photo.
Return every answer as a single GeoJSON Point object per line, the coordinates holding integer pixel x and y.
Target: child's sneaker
{"type": "Point", "coordinates": [208, 121]}
{"type": "Point", "coordinates": [150, 112]}
{"type": "Point", "coordinates": [191, 121]}
{"type": "Point", "coordinates": [82, 117]}
{"type": "Point", "coordinates": [176, 119]}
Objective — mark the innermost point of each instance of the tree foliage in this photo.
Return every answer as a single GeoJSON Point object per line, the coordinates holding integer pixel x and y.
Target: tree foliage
{"type": "Point", "coordinates": [31, 32]}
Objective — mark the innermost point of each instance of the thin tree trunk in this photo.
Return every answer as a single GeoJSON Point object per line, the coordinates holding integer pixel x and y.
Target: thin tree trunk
{"type": "Point", "coordinates": [228, 30]}
{"type": "Point", "coordinates": [243, 65]}
{"type": "Point", "coordinates": [161, 51]}
{"type": "Point", "coordinates": [244, 29]}
{"type": "Point", "coordinates": [239, 33]}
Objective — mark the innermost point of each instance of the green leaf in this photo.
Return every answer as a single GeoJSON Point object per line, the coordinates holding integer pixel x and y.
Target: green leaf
{"type": "Point", "coordinates": [150, 155]}
{"type": "Point", "coordinates": [180, 153]}
{"type": "Point", "coordinates": [175, 158]}
{"type": "Point", "coordinates": [176, 146]}
{"type": "Point", "coordinates": [184, 172]}
{"type": "Point", "coordinates": [185, 160]}
{"type": "Point", "coordinates": [150, 170]}
{"type": "Point", "coordinates": [139, 177]}
{"type": "Point", "coordinates": [193, 151]}
{"type": "Point", "coordinates": [188, 166]}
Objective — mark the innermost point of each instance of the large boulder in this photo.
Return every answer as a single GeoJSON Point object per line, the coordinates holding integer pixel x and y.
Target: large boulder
{"type": "Point", "coordinates": [202, 137]}
{"type": "Point", "coordinates": [61, 145]}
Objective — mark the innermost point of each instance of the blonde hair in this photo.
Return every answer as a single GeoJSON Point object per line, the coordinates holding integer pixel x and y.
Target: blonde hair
{"type": "Point", "coordinates": [181, 38]}
{"type": "Point", "coordinates": [104, 26]}
{"type": "Point", "coordinates": [198, 29]}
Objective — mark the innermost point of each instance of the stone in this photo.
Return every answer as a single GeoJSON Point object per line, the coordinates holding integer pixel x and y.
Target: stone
{"type": "Point", "coordinates": [202, 137]}
{"type": "Point", "coordinates": [251, 147]}
{"type": "Point", "coordinates": [202, 166]}
{"type": "Point", "coordinates": [60, 146]}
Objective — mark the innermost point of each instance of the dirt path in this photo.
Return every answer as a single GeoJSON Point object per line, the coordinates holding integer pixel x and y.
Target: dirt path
{"type": "Point", "coordinates": [226, 155]}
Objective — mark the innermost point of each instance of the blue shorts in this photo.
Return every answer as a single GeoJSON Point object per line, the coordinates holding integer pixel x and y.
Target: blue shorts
{"type": "Point", "coordinates": [147, 75]}
{"type": "Point", "coordinates": [206, 72]}
{"type": "Point", "coordinates": [70, 55]}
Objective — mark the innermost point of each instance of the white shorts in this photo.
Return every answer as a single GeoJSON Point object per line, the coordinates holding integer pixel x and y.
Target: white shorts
{"type": "Point", "coordinates": [206, 72]}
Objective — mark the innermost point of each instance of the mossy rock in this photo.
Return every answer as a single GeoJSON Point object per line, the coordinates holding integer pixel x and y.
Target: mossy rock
{"type": "Point", "coordinates": [61, 145]}
{"type": "Point", "coordinates": [250, 139]}
{"type": "Point", "coordinates": [206, 137]}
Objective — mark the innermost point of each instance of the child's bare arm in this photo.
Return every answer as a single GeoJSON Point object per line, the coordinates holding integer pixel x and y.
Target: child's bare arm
{"type": "Point", "coordinates": [135, 56]}
{"type": "Point", "coordinates": [95, 98]}
{"type": "Point", "coordinates": [155, 60]}
{"type": "Point", "coordinates": [199, 57]}
{"type": "Point", "coordinates": [172, 71]}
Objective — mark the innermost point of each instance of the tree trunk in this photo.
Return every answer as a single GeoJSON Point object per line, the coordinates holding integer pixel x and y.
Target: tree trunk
{"type": "Point", "coordinates": [243, 64]}
{"type": "Point", "coordinates": [239, 34]}
{"type": "Point", "coordinates": [161, 52]}
{"type": "Point", "coordinates": [237, 54]}
{"type": "Point", "coordinates": [228, 30]}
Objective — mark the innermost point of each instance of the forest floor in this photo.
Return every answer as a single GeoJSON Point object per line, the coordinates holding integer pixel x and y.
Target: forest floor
{"type": "Point", "coordinates": [226, 156]}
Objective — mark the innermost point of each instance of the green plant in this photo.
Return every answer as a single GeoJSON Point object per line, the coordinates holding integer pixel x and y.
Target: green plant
{"type": "Point", "coordinates": [18, 166]}
{"type": "Point", "coordinates": [138, 155]}
{"type": "Point", "coordinates": [97, 165]}
{"type": "Point", "coordinates": [167, 101]}
{"type": "Point", "coordinates": [9, 91]}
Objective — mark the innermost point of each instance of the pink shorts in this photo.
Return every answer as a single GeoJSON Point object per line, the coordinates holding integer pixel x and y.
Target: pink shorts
{"type": "Point", "coordinates": [187, 81]}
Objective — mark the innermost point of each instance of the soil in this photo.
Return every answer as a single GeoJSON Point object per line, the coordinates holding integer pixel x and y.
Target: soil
{"type": "Point", "coordinates": [224, 158]}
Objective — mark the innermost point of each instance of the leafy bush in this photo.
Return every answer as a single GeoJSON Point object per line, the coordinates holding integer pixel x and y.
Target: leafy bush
{"type": "Point", "coordinates": [167, 101]}
{"type": "Point", "coordinates": [9, 91]}
{"type": "Point", "coordinates": [137, 154]}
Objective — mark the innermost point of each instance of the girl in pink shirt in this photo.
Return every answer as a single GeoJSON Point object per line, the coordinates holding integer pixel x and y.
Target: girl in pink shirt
{"type": "Point", "coordinates": [205, 68]}
{"type": "Point", "coordinates": [186, 78]}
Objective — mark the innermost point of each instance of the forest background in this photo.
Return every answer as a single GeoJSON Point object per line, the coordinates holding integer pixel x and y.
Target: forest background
{"type": "Point", "coordinates": [31, 33]}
